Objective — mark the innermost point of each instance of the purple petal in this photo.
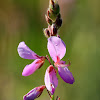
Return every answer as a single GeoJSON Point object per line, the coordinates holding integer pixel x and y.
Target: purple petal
{"type": "Point", "coordinates": [25, 52]}
{"type": "Point", "coordinates": [62, 62]}
{"type": "Point", "coordinates": [31, 68]}
{"type": "Point", "coordinates": [51, 80]}
{"type": "Point", "coordinates": [66, 75]}
{"type": "Point", "coordinates": [56, 48]}
{"type": "Point", "coordinates": [34, 93]}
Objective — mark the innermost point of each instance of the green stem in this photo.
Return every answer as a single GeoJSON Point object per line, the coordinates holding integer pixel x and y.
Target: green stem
{"type": "Point", "coordinates": [52, 97]}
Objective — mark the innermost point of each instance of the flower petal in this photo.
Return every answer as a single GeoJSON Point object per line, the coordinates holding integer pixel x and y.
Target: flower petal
{"type": "Point", "coordinates": [31, 68]}
{"type": "Point", "coordinates": [66, 75]}
{"type": "Point", "coordinates": [25, 52]}
{"type": "Point", "coordinates": [62, 62]}
{"type": "Point", "coordinates": [51, 80]}
{"type": "Point", "coordinates": [56, 48]}
{"type": "Point", "coordinates": [34, 93]}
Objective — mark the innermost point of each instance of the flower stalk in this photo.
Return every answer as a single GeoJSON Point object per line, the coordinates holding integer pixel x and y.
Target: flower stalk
{"type": "Point", "coordinates": [57, 50]}
{"type": "Point", "coordinates": [53, 19]}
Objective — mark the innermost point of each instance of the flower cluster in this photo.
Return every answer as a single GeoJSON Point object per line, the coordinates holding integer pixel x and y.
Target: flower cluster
{"type": "Point", "coordinates": [53, 19]}
{"type": "Point", "coordinates": [57, 50]}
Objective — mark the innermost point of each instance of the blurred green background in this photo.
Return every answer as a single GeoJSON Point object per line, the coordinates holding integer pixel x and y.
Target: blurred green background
{"type": "Point", "coordinates": [23, 20]}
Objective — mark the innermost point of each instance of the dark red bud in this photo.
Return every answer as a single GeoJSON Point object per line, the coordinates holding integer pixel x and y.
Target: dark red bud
{"type": "Point", "coordinates": [53, 30]}
{"type": "Point", "coordinates": [58, 22]}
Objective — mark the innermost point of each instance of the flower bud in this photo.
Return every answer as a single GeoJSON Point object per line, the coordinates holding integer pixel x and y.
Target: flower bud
{"type": "Point", "coordinates": [58, 22]}
{"type": "Point", "coordinates": [53, 30]}
{"type": "Point", "coordinates": [46, 32]}
{"type": "Point", "coordinates": [56, 9]}
{"type": "Point", "coordinates": [53, 5]}
{"type": "Point", "coordinates": [51, 14]}
{"type": "Point", "coordinates": [48, 20]}
{"type": "Point", "coordinates": [53, 10]}
{"type": "Point", "coordinates": [34, 93]}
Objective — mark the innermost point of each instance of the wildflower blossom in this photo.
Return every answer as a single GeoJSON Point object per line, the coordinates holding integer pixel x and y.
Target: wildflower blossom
{"type": "Point", "coordinates": [57, 50]}
{"type": "Point", "coordinates": [25, 52]}
{"type": "Point", "coordinates": [34, 93]}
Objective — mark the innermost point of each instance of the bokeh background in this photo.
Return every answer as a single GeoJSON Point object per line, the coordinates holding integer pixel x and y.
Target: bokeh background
{"type": "Point", "coordinates": [23, 20]}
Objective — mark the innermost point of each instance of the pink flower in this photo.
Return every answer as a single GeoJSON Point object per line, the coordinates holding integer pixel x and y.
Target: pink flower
{"type": "Point", "coordinates": [34, 93]}
{"type": "Point", "coordinates": [25, 52]}
{"type": "Point", "coordinates": [57, 50]}
{"type": "Point", "coordinates": [50, 79]}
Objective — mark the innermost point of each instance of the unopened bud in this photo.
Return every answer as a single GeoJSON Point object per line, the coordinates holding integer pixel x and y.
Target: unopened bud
{"type": "Point", "coordinates": [46, 32]}
{"type": "Point", "coordinates": [48, 20]}
{"type": "Point", "coordinates": [58, 22]}
{"type": "Point", "coordinates": [51, 4]}
{"type": "Point", "coordinates": [54, 6]}
{"type": "Point", "coordinates": [53, 30]}
{"type": "Point", "coordinates": [56, 9]}
{"type": "Point", "coordinates": [53, 10]}
{"type": "Point", "coordinates": [51, 15]}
